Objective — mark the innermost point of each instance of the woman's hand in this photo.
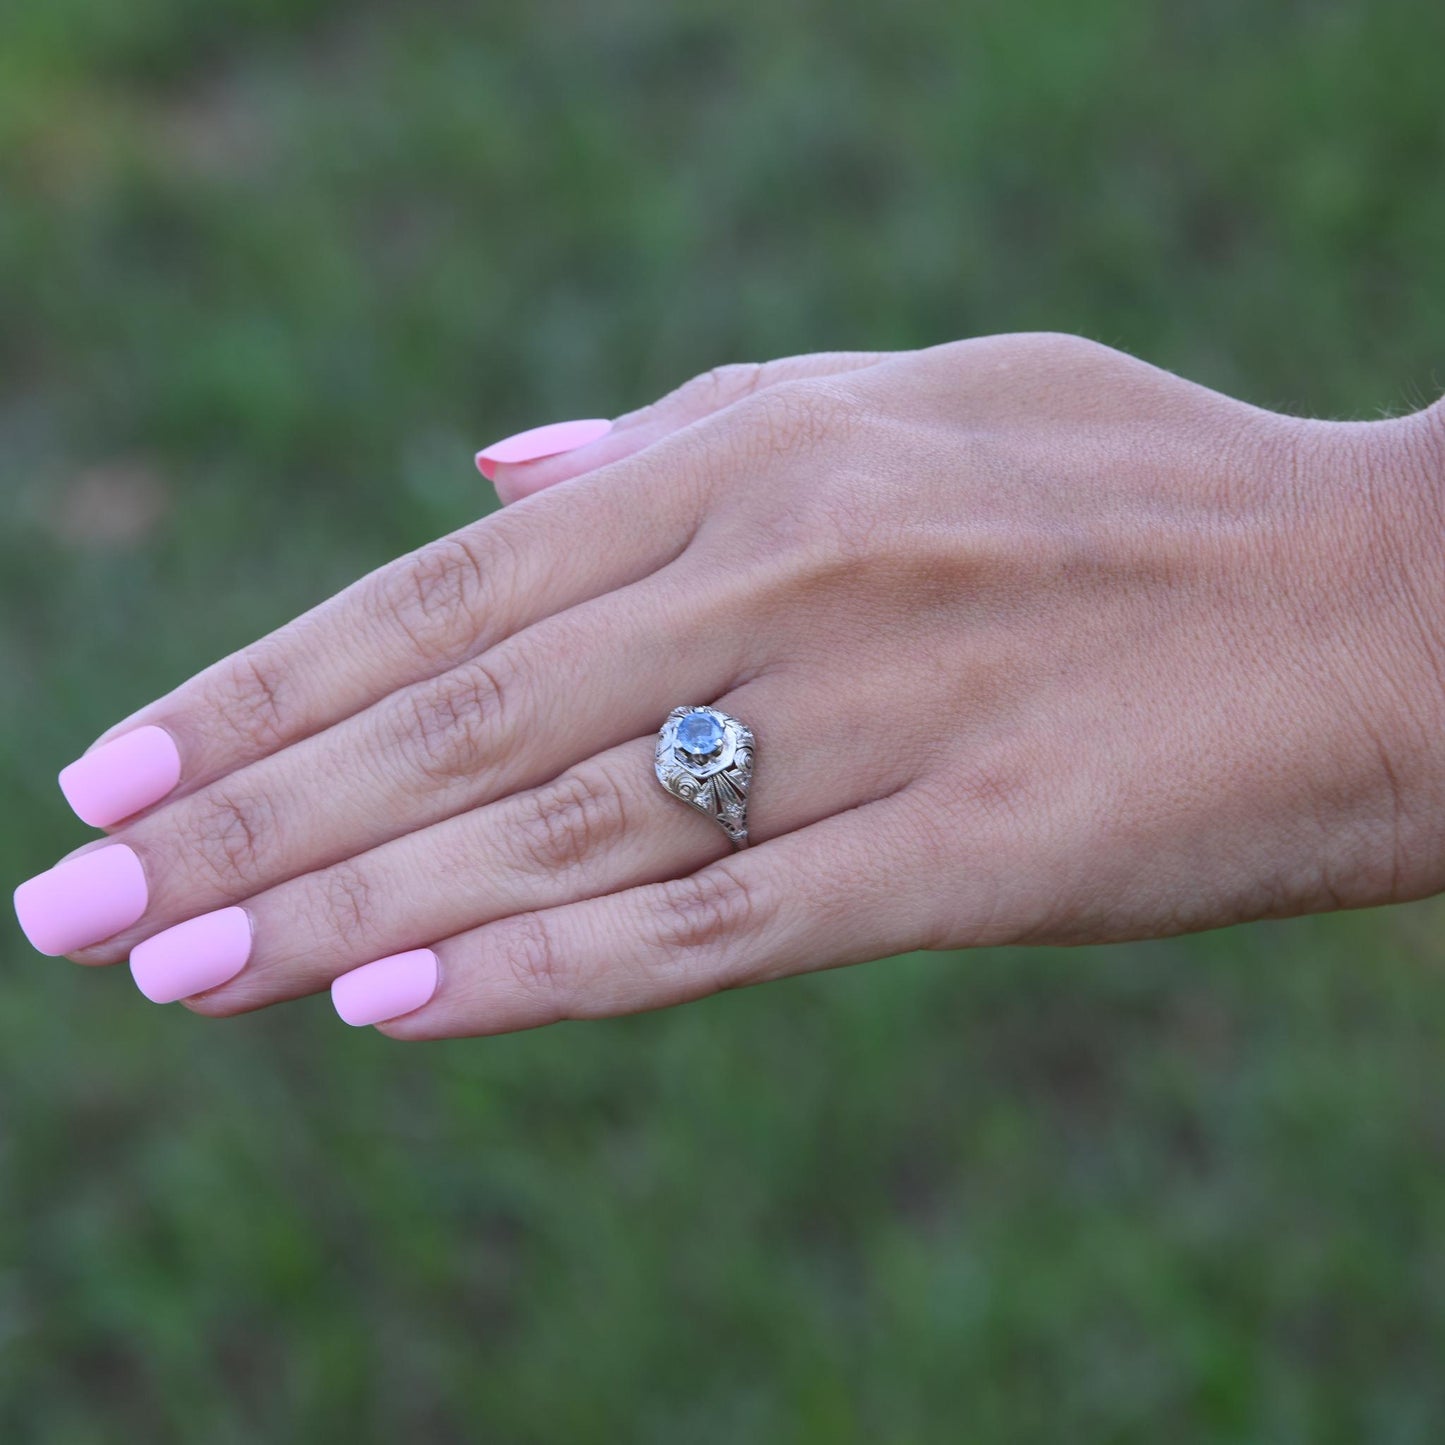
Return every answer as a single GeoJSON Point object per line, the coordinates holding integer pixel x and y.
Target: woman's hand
{"type": "Point", "coordinates": [1040, 644]}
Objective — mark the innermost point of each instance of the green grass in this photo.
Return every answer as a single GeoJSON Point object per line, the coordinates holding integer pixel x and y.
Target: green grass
{"type": "Point", "coordinates": [269, 272]}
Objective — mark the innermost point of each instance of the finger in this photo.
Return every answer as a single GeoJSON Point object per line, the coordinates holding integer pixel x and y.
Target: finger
{"type": "Point", "coordinates": [602, 825]}
{"type": "Point", "coordinates": [703, 396]}
{"type": "Point", "coordinates": [550, 696]}
{"type": "Point", "coordinates": [413, 619]}
{"type": "Point", "coordinates": [819, 897]}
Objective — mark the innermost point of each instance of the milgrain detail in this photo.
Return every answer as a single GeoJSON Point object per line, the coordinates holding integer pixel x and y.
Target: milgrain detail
{"type": "Point", "coordinates": [716, 784]}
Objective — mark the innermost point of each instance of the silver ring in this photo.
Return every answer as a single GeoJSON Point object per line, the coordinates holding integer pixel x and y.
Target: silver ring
{"type": "Point", "coordinates": [705, 758]}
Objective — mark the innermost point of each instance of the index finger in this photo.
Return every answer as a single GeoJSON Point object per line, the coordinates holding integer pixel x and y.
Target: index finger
{"type": "Point", "coordinates": [408, 621]}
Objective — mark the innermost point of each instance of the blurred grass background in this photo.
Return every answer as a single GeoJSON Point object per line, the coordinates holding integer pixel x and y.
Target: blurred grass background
{"type": "Point", "coordinates": [270, 270]}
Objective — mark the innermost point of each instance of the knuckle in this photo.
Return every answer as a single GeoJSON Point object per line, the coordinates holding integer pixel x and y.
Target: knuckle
{"type": "Point", "coordinates": [435, 597]}
{"type": "Point", "coordinates": [252, 700]}
{"type": "Point", "coordinates": [1064, 345]}
{"type": "Point", "coordinates": [706, 909]}
{"type": "Point", "coordinates": [565, 823]}
{"type": "Point", "coordinates": [448, 727]}
{"type": "Point", "coordinates": [348, 905]}
{"type": "Point", "coordinates": [793, 418]}
{"type": "Point", "coordinates": [1068, 360]}
{"type": "Point", "coordinates": [533, 960]}
{"type": "Point", "coordinates": [231, 837]}
{"type": "Point", "coordinates": [735, 379]}
{"type": "Point", "coordinates": [721, 385]}
{"type": "Point", "coordinates": [1014, 357]}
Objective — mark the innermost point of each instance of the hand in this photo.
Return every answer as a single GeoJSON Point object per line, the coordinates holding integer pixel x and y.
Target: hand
{"type": "Point", "coordinates": [1040, 644]}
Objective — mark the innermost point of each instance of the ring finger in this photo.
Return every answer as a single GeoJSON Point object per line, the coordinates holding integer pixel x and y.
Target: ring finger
{"type": "Point", "coordinates": [603, 825]}
{"type": "Point", "coordinates": [521, 713]}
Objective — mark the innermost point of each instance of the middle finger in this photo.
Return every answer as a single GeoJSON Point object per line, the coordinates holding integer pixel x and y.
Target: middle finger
{"type": "Point", "coordinates": [559, 691]}
{"type": "Point", "coordinates": [603, 825]}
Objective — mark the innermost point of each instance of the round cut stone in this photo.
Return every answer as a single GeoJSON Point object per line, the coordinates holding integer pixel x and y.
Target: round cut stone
{"type": "Point", "coordinates": [699, 734]}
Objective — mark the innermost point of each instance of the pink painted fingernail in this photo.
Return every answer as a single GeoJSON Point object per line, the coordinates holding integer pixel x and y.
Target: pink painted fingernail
{"type": "Point", "coordinates": [122, 776]}
{"type": "Point", "coordinates": [193, 956]}
{"type": "Point", "coordinates": [541, 441]}
{"type": "Point", "coordinates": [387, 988]}
{"type": "Point", "coordinates": [82, 901]}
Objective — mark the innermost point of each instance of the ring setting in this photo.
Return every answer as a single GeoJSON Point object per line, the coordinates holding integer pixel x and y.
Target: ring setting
{"type": "Point", "coordinates": [705, 759]}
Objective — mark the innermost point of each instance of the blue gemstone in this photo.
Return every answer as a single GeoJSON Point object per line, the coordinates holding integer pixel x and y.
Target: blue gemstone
{"type": "Point", "coordinates": [700, 734]}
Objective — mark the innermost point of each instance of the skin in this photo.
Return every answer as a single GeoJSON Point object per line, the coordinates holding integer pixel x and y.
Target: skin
{"type": "Point", "coordinates": [1041, 645]}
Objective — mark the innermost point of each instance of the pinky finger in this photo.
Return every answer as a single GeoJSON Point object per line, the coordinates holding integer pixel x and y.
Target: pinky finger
{"type": "Point", "coordinates": [841, 891]}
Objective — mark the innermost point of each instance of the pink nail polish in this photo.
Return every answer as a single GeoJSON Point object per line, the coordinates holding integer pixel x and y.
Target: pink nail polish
{"type": "Point", "coordinates": [541, 441]}
{"type": "Point", "coordinates": [387, 988]}
{"type": "Point", "coordinates": [84, 900]}
{"type": "Point", "coordinates": [122, 776]}
{"type": "Point", "coordinates": [193, 956]}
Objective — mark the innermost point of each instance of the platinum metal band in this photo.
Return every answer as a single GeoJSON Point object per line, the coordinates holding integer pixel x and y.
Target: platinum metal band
{"type": "Point", "coordinates": [705, 758]}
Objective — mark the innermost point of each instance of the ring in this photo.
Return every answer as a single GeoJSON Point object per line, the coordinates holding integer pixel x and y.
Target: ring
{"type": "Point", "coordinates": [705, 758]}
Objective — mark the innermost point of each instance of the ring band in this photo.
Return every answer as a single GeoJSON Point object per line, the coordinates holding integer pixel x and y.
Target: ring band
{"type": "Point", "coordinates": [705, 758]}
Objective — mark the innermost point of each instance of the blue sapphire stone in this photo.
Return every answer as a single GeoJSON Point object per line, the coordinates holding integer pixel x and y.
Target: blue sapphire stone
{"type": "Point", "coordinates": [699, 734]}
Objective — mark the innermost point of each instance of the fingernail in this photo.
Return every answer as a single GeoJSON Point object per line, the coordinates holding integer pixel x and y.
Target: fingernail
{"type": "Point", "coordinates": [541, 441]}
{"type": "Point", "coordinates": [122, 776]}
{"type": "Point", "coordinates": [82, 901]}
{"type": "Point", "coordinates": [387, 988]}
{"type": "Point", "coordinates": [193, 956]}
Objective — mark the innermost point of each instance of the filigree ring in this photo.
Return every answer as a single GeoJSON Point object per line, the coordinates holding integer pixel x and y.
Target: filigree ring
{"type": "Point", "coordinates": [705, 758]}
